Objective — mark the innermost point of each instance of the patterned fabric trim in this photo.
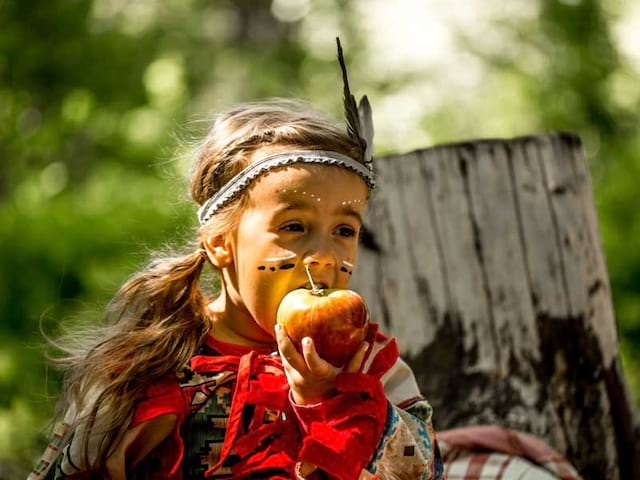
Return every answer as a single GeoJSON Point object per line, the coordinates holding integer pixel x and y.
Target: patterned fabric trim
{"type": "Point", "coordinates": [407, 448]}
{"type": "Point", "coordinates": [392, 424]}
{"type": "Point", "coordinates": [50, 455]}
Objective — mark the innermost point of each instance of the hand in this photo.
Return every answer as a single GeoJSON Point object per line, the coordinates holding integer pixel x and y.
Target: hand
{"type": "Point", "coordinates": [311, 378]}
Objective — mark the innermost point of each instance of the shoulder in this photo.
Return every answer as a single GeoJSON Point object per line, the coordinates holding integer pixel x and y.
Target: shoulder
{"type": "Point", "coordinates": [161, 397]}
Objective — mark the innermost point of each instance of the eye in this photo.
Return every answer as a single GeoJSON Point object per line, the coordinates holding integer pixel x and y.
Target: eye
{"type": "Point", "coordinates": [346, 231]}
{"type": "Point", "coordinates": [293, 227]}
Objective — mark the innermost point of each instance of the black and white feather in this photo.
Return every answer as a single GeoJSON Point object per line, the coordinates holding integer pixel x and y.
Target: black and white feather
{"type": "Point", "coordinates": [359, 117]}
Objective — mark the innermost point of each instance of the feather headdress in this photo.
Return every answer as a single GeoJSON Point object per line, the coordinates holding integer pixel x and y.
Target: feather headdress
{"type": "Point", "coordinates": [359, 117]}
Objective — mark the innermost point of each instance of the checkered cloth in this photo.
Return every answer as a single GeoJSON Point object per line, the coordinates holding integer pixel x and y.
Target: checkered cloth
{"type": "Point", "coordinates": [496, 453]}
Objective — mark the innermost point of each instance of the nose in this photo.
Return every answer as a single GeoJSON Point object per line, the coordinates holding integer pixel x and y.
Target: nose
{"type": "Point", "coordinates": [320, 255]}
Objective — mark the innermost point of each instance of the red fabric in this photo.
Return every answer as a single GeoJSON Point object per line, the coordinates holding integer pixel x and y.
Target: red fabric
{"type": "Point", "coordinates": [271, 445]}
{"type": "Point", "coordinates": [235, 417]}
{"type": "Point", "coordinates": [225, 348]}
{"type": "Point", "coordinates": [347, 426]}
{"type": "Point", "coordinates": [163, 398]}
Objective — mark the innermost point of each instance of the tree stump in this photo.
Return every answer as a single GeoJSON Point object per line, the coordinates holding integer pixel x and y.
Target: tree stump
{"type": "Point", "coordinates": [484, 259]}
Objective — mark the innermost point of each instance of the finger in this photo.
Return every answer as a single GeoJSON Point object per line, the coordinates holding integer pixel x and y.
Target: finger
{"type": "Point", "coordinates": [290, 355]}
{"type": "Point", "coordinates": [316, 365]}
{"type": "Point", "coordinates": [355, 363]}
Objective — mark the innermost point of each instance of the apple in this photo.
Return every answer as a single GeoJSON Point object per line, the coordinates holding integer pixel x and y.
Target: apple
{"type": "Point", "coordinates": [336, 320]}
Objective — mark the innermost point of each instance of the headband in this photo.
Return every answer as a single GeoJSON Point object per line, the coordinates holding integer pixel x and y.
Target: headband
{"type": "Point", "coordinates": [242, 180]}
{"type": "Point", "coordinates": [359, 128]}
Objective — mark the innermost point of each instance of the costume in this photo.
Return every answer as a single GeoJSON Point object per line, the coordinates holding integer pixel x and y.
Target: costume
{"type": "Point", "coordinates": [235, 419]}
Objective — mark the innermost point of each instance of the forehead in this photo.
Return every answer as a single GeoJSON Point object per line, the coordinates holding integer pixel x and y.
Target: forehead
{"type": "Point", "coordinates": [321, 182]}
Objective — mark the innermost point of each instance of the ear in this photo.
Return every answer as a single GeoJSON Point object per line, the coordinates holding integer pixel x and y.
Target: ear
{"type": "Point", "coordinates": [218, 250]}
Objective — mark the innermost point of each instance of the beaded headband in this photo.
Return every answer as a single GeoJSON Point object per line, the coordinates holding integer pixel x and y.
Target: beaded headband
{"type": "Point", "coordinates": [242, 180]}
{"type": "Point", "coordinates": [359, 128]}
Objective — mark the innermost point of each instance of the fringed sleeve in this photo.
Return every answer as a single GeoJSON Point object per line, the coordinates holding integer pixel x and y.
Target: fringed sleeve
{"type": "Point", "coordinates": [377, 427]}
{"type": "Point", "coordinates": [407, 447]}
{"type": "Point", "coordinates": [340, 434]}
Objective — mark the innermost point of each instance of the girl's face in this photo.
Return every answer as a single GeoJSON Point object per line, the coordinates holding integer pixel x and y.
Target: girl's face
{"type": "Point", "coordinates": [299, 215]}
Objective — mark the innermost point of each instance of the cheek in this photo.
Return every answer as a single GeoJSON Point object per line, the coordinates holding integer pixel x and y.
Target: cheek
{"type": "Point", "coordinates": [270, 277]}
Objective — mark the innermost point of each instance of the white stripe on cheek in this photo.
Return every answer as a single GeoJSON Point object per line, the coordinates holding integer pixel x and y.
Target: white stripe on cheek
{"type": "Point", "coordinates": [279, 259]}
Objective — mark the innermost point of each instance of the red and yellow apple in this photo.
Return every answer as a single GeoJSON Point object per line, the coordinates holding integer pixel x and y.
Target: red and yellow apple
{"type": "Point", "coordinates": [336, 320]}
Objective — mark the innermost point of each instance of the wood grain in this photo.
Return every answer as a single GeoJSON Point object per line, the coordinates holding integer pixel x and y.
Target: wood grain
{"type": "Point", "coordinates": [488, 268]}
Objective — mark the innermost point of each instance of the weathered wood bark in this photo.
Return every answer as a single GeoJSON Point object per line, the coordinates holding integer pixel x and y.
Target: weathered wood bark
{"type": "Point", "coordinates": [485, 261]}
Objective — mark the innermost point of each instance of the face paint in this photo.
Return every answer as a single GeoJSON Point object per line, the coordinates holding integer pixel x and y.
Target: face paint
{"type": "Point", "coordinates": [285, 266]}
{"type": "Point", "coordinates": [348, 270]}
{"type": "Point", "coordinates": [279, 259]}
{"type": "Point", "coordinates": [280, 232]}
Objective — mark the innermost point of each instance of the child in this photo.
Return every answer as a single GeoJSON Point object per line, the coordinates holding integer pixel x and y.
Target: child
{"type": "Point", "coordinates": [183, 387]}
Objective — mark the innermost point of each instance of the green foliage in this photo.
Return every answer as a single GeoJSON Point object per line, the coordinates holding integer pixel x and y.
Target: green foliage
{"type": "Point", "coordinates": [100, 101]}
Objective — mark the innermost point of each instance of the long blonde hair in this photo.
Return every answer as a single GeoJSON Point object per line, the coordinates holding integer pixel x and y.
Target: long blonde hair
{"type": "Point", "coordinates": [157, 319]}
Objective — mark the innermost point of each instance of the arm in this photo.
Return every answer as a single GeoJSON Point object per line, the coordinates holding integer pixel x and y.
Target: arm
{"type": "Point", "coordinates": [341, 413]}
{"type": "Point", "coordinates": [359, 422]}
{"type": "Point", "coordinates": [137, 443]}
{"type": "Point", "coordinates": [408, 448]}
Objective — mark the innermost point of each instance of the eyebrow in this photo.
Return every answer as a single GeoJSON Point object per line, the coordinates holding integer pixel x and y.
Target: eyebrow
{"type": "Point", "coordinates": [301, 204]}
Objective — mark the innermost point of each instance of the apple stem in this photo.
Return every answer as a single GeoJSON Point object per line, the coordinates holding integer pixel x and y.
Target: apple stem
{"type": "Point", "coordinates": [314, 289]}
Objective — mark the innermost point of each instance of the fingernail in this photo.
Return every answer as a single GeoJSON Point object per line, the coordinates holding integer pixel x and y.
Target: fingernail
{"type": "Point", "coordinates": [365, 346]}
{"type": "Point", "coordinates": [276, 328]}
{"type": "Point", "coordinates": [306, 341]}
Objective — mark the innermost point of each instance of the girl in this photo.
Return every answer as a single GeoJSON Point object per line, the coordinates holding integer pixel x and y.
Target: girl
{"type": "Point", "coordinates": [179, 386]}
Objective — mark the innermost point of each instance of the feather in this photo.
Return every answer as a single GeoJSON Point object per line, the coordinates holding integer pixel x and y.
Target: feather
{"type": "Point", "coordinates": [352, 113]}
{"type": "Point", "coordinates": [366, 127]}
